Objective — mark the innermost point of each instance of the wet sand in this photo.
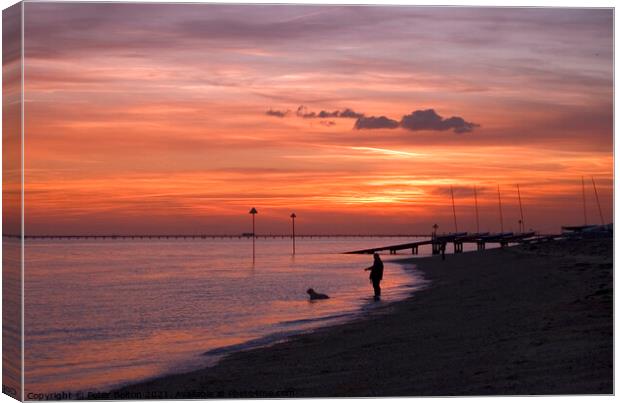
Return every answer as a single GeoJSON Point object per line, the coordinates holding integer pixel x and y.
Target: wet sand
{"type": "Point", "coordinates": [523, 320]}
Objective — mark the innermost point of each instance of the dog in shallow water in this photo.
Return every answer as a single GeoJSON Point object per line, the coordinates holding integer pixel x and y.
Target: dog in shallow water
{"type": "Point", "coordinates": [315, 295]}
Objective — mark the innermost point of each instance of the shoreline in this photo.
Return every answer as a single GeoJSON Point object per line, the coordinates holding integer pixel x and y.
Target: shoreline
{"type": "Point", "coordinates": [363, 312]}
{"type": "Point", "coordinates": [533, 319]}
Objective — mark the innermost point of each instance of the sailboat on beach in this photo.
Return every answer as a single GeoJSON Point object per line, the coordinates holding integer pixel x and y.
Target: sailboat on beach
{"type": "Point", "coordinates": [584, 230]}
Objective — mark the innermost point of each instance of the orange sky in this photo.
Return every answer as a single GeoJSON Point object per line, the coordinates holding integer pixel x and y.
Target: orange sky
{"type": "Point", "coordinates": [152, 118]}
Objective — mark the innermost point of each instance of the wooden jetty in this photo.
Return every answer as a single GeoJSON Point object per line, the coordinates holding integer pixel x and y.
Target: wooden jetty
{"type": "Point", "coordinates": [458, 239]}
{"type": "Point", "coordinates": [438, 240]}
{"type": "Point", "coordinates": [393, 248]}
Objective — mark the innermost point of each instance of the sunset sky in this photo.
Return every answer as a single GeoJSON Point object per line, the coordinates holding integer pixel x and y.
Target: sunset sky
{"type": "Point", "coordinates": [179, 118]}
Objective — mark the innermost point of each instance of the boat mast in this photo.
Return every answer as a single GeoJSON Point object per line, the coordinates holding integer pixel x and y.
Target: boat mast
{"type": "Point", "coordinates": [522, 226]}
{"type": "Point", "coordinates": [583, 196]}
{"type": "Point", "coordinates": [476, 204]}
{"type": "Point", "coordinates": [600, 212]}
{"type": "Point", "coordinates": [456, 229]}
{"type": "Point", "coordinates": [501, 216]}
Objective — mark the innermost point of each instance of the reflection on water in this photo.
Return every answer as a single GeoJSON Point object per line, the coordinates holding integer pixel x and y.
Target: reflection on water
{"type": "Point", "coordinates": [103, 313]}
{"type": "Point", "coordinates": [11, 317]}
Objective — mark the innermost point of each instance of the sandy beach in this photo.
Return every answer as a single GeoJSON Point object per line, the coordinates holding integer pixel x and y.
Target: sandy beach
{"type": "Point", "coordinates": [531, 319]}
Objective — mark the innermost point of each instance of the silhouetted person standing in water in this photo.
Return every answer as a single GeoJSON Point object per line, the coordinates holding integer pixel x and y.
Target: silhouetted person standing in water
{"type": "Point", "coordinates": [376, 275]}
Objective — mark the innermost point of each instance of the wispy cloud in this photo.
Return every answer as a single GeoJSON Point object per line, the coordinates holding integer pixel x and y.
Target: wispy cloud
{"type": "Point", "coordinates": [386, 151]}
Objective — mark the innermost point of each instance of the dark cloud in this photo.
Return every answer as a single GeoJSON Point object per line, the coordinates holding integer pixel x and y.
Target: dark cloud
{"type": "Point", "coordinates": [428, 119]}
{"type": "Point", "coordinates": [373, 122]}
{"type": "Point", "coordinates": [278, 114]}
{"type": "Point", "coordinates": [325, 114]}
{"type": "Point", "coordinates": [348, 113]}
{"type": "Point", "coordinates": [303, 112]}
{"type": "Point", "coordinates": [418, 120]}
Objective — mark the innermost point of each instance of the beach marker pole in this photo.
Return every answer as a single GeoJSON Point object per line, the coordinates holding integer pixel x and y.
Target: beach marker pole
{"type": "Point", "coordinates": [598, 203]}
{"type": "Point", "coordinates": [293, 218]}
{"type": "Point", "coordinates": [253, 212]}
{"type": "Point", "coordinates": [583, 196]}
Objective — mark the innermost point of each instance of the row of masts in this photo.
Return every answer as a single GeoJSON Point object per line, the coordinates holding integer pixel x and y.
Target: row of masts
{"type": "Point", "coordinates": [501, 214]}
{"type": "Point", "coordinates": [522, 220]}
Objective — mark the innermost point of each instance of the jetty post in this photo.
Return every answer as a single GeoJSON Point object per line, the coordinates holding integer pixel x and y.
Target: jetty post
{"type": "Point", "coordinates": [435, 245]}
{"type": "Point", "coordinates": [293, 216]}
{"type": "Point", "coordinates": [253, 212]}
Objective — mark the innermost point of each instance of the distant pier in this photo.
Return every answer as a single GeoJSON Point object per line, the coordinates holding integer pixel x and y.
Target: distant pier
{"type": "Point", "coordinates": [208, 236]}
{"type": "Point", "coordinates": [438, 242]}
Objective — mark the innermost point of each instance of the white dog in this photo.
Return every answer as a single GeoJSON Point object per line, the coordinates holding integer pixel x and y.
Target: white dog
{"type": "Point", "coordinates": [315, 295]}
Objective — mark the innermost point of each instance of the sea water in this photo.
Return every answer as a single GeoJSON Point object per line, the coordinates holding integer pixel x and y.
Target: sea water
{"type": "Point", "coordinates": [104, 313]}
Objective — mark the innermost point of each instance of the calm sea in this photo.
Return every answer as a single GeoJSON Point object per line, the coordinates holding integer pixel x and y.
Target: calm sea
{"type": "Point", "coordinates": [102, 313]}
